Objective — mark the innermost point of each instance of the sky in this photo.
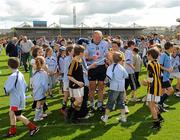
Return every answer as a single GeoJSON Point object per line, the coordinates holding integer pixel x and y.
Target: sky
{"type": "Point", "coordinates": [90, 12]}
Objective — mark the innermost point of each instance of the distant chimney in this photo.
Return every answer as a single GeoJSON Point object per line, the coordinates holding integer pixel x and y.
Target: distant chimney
{"type": "Point", "coordinates": [74, 16]}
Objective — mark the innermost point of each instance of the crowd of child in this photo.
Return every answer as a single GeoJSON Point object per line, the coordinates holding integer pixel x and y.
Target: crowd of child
{"type": "Point", "coordinates": [83, 69]}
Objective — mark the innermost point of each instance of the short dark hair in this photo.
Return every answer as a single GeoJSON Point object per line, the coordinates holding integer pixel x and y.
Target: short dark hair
{"type": "Point", "coordinates": [151, 41]}
{"type": "Point", "coordinates": [136, 50]}
{"type": "Point", "coordinates": [130, 43]}
{"type": "Point", "coordinates": [116, 42]}
{"type": "Point", "coordinates": [168, 45]}
{"type": "Point", "coordinates": [69, 48]}
{"type": "Point", "coordinates": [13, 62]}
{"type": "Point", "coordinates": [153, 52]}
{"type": "Point", "coordinates": [35, 51]}
{"type": "Point", "coordinates": [117, 57]}
{"type": "Point", "coordinates": [78, 49]}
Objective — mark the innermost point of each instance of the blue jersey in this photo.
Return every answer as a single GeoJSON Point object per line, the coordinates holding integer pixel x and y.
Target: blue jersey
{"type": "Point", "coordinates": [51, 63]}
{"type": "Point", "coordinates": [165, 61]}
{"type": "Point", "coordinates": [67, 61]}
{"type": "Point", "coordinates": [99, 50]}
{"type": "Point", "coordinates": [62, 64]}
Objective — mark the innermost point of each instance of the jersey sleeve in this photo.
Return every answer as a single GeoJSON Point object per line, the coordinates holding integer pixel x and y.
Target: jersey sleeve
{"type": "Point", "coordinates": [161, 59]}
{"type": "Point", "coordinates": [10, 83]}
{"type": "Point", "coordinates": [72, 67]}
{"type": "Point", "coordinates": [109, 72]}
{"type": "Point", "coordinates": [150, 71]}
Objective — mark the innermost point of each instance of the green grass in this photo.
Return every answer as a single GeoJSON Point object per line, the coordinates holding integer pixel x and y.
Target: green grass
{"type": "Point", "coordinates": [55, 128]}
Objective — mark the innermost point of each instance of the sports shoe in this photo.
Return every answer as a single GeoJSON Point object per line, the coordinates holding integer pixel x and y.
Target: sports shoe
{"type": "Point", "coordinates": [101, 109]}
{"type": "Point", "coordinates": [156, 125]}
{"type": "Point", "coordinates": [89, 115]}
{"type": "Point", "coordinates": [126, 109]}
{"type": "Point", "coordinates": [144, 99]}
{"type": "Point", "coordinates": [161, 119]}
{"type": "Point", "coordinates": [51, 96]}
{"type": "Point", "coordinates": [177, 94]}
{"type": "Point", "coordinates": [123, 119]}
{"type": "Point", "coordinates": [165, 105]}
{"type": "Point", "coordinates": [8, 135]}
{"type": "Point", "coordinates": [44, 115]}
{"type": "Point", "coordinates": [161, 108]}
{"type": "Point", "coordinates": [134, 99]}
{"type": "Point", "coordinates": [36, 120]}
{"type": "Point", "coordinates": [104, 118]}
{"type": "Point", "coordinates": [92, 109]}
{"type": "Point", "coordinates": [34, 131]}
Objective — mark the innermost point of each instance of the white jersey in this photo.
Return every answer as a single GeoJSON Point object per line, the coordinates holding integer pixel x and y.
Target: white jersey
{"type": "Point", "coordinates": [39, 84]}
{"type": "Point", "coordinates": [16, 87]}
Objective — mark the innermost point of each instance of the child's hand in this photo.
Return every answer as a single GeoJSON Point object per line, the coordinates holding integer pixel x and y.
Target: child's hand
{"type": "Point", "coordinates": [81, 84]}
{"type": "Point", "coordinates": [144, 82]}
{"type": "Point", "coordinates": [95, 57]}
{"type": "Point", "coordinates": [170, 70]}
{"type": "Point", "coordinates": [94, 65]}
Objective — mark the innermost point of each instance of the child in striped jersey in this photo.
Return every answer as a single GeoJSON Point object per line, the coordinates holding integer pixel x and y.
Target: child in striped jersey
{"type": "Point", "coordinates": [51, 63]}
{"type": "Point", "coordinates": [16, 87]}
{"type": "Point", "coordinates": [40, 87]}
{"type": "Point", "coordinates": [154, 86]}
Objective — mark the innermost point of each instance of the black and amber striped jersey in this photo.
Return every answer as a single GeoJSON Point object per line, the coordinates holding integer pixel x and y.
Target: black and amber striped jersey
{"type": "Point", "coordinates": [75, 71]}
{"type": "Point", "coordinates": [154, 76]}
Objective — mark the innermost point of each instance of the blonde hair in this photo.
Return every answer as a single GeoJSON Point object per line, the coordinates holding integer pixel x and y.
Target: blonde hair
{"type": "Point", "coordinates": [117, 57]}
{"type": "Point", "coordinates": [39, 62]}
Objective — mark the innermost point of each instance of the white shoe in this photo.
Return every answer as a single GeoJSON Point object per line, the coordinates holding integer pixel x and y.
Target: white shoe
{"type": "Point", "coordinates": [134, 99]}
{"type": "Point", "coordinates": [44, 115]}
{"type": "Point", "coordinates": [104, 118]}
{"type": "Point", "coordinates": [165, 105]}
{"type": "Point", "coordinates": [144, 99]}
{"type": "Point", "coordinates": [36, 120]}
{"type": "Point", "coordinates": [123, 119]}
{"type": "Point", "coordinates": [126, 109]}
{"type": "Point", "coordinates": [177, 94]}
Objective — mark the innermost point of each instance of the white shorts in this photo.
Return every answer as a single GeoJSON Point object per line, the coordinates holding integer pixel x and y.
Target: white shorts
{"type": "Point", "coordinates": [151, 97]}
{"type": "Point", "coordinates": [78, 92]}
{"type": "Point", "coordinates": [65, 86]}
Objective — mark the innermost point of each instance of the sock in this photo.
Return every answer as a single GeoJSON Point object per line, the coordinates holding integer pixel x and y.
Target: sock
{"type": "Point", "coordinates": [156, 122]}
{"type": "Point", "coordinates": [160, 117]}
{"type": "Point", "coordinates": [31, 126]}
{"type": "Point", "coordinates": [45, 107]}
{"type": "Point", "coordinates": [163, 98]}
{"type": "Point", "coordinates": [12, 130]}
{"type": "Point", "coordinates": [99, 104]}
{"type": "Point", "coordinates": [106, 116]}
{"type": "Point", "coordinates": [38, 113]}
{"type": "Point", "coordinates": [41, 113]}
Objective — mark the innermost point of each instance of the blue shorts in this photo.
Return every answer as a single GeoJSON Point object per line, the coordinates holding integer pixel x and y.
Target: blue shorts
{"type": "Point", "coordinates": [115, 97]}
